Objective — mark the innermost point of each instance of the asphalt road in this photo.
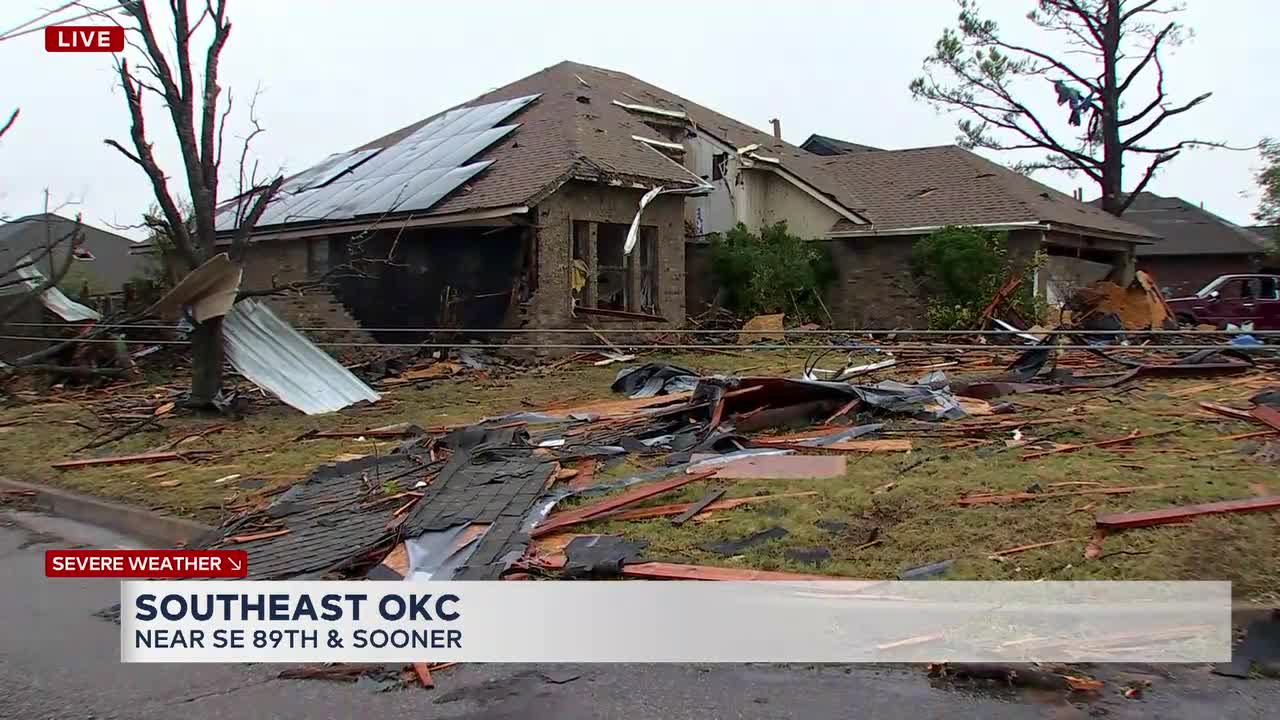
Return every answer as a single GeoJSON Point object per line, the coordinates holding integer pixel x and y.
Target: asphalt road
{"type": "Point", "coordinates": [57, 660]}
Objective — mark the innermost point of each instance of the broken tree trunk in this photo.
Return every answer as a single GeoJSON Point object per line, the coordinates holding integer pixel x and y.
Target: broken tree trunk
{"type": "Point", "coordinates": [207, 355]}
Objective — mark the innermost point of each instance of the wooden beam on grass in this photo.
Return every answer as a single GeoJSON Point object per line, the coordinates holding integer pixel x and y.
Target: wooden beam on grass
{"type": "Point", "coordinates": [1148, 518]}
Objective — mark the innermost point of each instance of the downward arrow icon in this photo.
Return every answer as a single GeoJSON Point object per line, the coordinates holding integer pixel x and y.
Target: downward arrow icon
{"type": "Point", "coordinates": [234, 565]}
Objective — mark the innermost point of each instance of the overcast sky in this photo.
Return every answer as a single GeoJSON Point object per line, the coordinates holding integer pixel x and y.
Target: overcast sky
{"type": "Point", "coordinates": [335, 74]}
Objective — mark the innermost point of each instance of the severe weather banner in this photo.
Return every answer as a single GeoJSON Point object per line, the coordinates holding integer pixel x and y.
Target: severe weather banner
{"type": "Point", "coordinates": [352, 621]}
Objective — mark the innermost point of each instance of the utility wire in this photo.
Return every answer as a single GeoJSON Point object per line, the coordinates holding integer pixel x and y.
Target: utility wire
{"type": "Point", "coordinates": [633, 331]}
{"type": "Point", "coordinates": [15, 34]}
{"type": "Point", "coordinates": [694, 346]}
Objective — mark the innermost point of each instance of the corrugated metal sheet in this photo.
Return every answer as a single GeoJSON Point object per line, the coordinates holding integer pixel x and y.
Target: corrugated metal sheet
{"type": "Point", "coordinates": [278, 359]}
{"type": "Point", "coordinates": [53, 299]}
{"type": "Point", "coordinates": [413, 174]}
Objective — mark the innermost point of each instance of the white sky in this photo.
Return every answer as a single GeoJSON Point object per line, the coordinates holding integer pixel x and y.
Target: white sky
{"type": "Point", "coordinates": [337, 74]}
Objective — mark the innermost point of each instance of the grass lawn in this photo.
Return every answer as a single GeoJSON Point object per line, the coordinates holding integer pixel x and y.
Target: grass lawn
{"type": "Point", "coordinates": [907, 499]}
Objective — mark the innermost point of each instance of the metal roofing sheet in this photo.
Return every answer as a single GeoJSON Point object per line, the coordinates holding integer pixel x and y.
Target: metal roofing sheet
{"type": "Point", "coordinates": [53, 299]}
{"type": "Point", "coordinates": [412, 174]}
{"type": "Point", "coordinates": [278, 359]}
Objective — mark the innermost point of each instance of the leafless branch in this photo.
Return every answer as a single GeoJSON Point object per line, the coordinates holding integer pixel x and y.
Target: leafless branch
{"type": "Point", "coordinates": [13, 117]}
{"type": "Point", "coordinates": [1164, 115]}
{"type": "Point", "coordinates": [1146, 178]}
{"type": "Point", "coordinates": [146, 159]}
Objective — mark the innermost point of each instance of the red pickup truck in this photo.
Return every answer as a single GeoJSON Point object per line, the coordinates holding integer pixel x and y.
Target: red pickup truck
{"type": "Point", "coordinates": [1235, 299]}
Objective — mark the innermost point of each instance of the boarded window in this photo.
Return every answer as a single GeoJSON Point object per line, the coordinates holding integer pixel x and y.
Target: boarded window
{"type": "Point", "coordinates": [717, 165]}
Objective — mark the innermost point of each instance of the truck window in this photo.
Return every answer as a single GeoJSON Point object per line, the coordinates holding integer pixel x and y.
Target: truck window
{"type": "Point", "coordinates": [1270, 289]}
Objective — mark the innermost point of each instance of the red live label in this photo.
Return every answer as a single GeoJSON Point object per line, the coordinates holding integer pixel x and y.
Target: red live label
{"type": "Point", "coordinates": [146, 563]}
{"type": "Point", "coordinates": [83, 38]}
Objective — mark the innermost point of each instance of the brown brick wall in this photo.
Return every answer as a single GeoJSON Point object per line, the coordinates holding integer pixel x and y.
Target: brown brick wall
{"type": "Point", "coordinates": [286, 261]}
{"type": "Point", "coordinates": [1185, 274]}
{"type": "Point", "coordinates": [874, 288]}
{"type": "Point", "coordinates": [551, 303]}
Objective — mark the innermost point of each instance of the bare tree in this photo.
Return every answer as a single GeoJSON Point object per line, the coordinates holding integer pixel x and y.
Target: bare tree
{"type": "Point", "coordinates": [198, 119]}
{"type": "Point", "coordinates": [47, 253]}
{"type": "Point", "coordinates": [1118, 44]}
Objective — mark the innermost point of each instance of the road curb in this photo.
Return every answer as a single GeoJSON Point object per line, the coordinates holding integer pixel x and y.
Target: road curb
{"type": "Point", "coordinates": [145, 525]}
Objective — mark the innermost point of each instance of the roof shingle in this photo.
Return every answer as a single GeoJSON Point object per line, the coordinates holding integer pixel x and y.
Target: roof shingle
{"type": "Point", "coordinates": [1186, 229]}
{"type": "Point", "coordinates": [948, 185]}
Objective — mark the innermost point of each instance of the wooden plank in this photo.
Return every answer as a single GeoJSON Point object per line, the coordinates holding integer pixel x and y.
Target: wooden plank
{"type": "Point", "coordinates": [423, 671]}
{"type": "Point", "coordinates": [257, 536]}
{"type": "Point", "coordinates": [1237, 413]}
{"type": "Point", "coordinates": [698, 507]}
{"type": "Point", "coordinates": [646, 513]}
{"type": "Point", "coordinates": [1147, 518]}
{"type": "Point", "coordinates": [680, 571]}
{"type": "Point", "coordinates": [586, 476]}
{"type": "Point", "coordinates": [996, 499]}
{"type": "Point", "coordinates": [130, 459]}
{"type": "Point", "coordinates": [1267, 415]}
{"type": "Point", "coordinates": [779, 467]}
{"type": "Point", "coordinates": [1186, 392]}
{"type": "Point", "coordinates": [1032, 546]}
{"type": "Point", "coordinates": [1101, 443]}
{"type": "Point", "coordinates": [560, 521]}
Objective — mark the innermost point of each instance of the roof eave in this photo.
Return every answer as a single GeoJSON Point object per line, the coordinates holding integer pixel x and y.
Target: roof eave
{"type": "Point", "coordinates": [873, 231]}
{"type": "Point", "coordinates": [482, 216]}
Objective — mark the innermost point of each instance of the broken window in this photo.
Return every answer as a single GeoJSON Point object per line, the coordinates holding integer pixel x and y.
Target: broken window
{"type": "Point", "coordinates": [718, 162]}
{"type": "Point", "coordinates": [603, 277]}
{"type": "Point", "coordinates": [611, 269]}
{"type": "Point", "coordinates": [647, 253]}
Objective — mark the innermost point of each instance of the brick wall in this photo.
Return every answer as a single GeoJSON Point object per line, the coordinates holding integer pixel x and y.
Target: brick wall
{"type": "Point", "coordinates": [288, 261]}
{"type": "Point", "coordinates": [1185, 274]}
{"type": "Point", "coordinates": [551, 305]}
{"type": "Point", "coordinates": [874, 288]}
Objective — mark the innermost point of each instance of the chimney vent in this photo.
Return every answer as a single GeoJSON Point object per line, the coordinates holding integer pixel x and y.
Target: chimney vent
{"type": "Point", "coordinates": [777, 128]}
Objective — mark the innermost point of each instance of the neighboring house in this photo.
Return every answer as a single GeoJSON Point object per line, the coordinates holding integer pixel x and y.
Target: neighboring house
{"type": "Point", "coordinates": [910, 193]}
{"type": "Point", "coordinates": [513, 209]}
{"type": "Point", "coordinates": [1270, 235]}
{"type": "Point", "coordinates": [1195, 245]}
{"type": "Point", "coordinates": [102, 260]}
{"type": "Point", "coordinates": [823, 145]}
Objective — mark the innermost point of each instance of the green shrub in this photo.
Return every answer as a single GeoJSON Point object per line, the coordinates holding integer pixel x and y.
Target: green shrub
{"type": "Point", "coordinates": [773, 272]}
{"type": "Point", "coordinates": [962, 268]}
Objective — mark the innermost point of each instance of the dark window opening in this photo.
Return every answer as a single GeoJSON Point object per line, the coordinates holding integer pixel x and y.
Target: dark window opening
{"type": "Point", "coordinates": [611, 269]}
{"type": "Point", "coordinates": [606, 278]}
{"type": "Point", "coordinates": [647, 252]}
{"type": "Point", "coordinates": [717, 165]}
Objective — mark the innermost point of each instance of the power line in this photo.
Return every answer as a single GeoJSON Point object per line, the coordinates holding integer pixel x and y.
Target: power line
{"type": "Point", "coordinates": [633, 331]}
{"type": "Point", "coordinates": [11, 34]}
{"type": "Point", "coordinates": [691, 346]}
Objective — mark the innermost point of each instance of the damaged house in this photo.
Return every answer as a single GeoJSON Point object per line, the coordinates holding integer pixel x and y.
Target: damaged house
{"type": "Point", "coordinates": [911, 193]}
{"type": "Point", "coordinates": [582, 196]}
{"type": "Point", "coordinates": [512, 210]}
{"type": "Point", "coordinates": [1195, 245]}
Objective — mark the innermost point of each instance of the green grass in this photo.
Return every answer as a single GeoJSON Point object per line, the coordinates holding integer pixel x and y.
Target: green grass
{"type": "Point", "coordinates": [917, 519]}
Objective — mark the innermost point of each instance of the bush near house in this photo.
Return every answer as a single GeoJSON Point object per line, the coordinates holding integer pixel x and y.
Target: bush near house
{"type": "Point", "coordinates": [773, 272]}
{"type": "Point", "coordinates": [962, 268]}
